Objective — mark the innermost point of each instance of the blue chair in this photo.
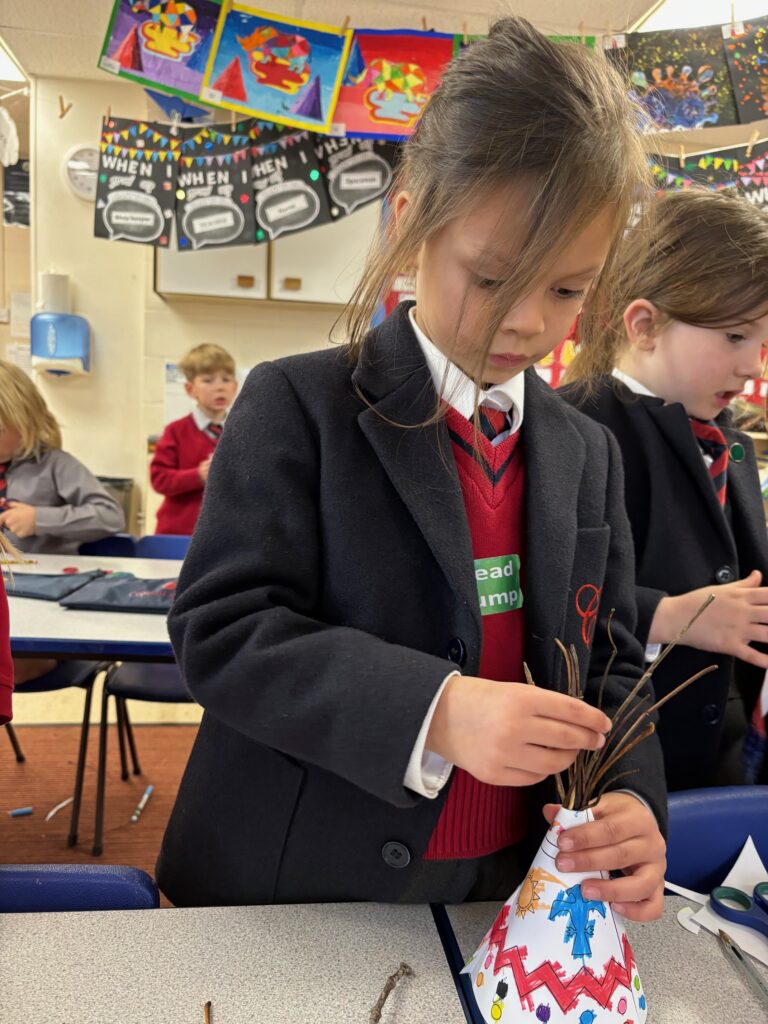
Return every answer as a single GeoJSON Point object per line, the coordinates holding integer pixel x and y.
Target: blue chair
{"type": "Point", "coordinates": [159, 682]}
{"type": "Point", "coordinates": [66, 674]}
{"type": "Point", "coordinates": [118, 545]}
{"type": "Point", "coordinates": [162, 545]}
{"type": "Point", "coordinates": [707, 829]}
{"type": "Point", "coordinates": [36, 888]}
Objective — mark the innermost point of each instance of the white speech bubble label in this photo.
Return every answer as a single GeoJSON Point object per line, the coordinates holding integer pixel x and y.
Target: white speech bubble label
{"type": "Point", "coordinates": [141, 221]}
{"type": "Point", "coordinates": [365, 175]}
{"type": "Point", "coordinates": [212, 220]}
{"type": "Point", "coordinates": [289, 198]}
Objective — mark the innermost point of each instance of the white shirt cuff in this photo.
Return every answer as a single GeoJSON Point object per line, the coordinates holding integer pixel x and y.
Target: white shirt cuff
{"type": "Point", "coordinates": [652, 651]}
{"type": "Point", "coordinates": [427, 772]}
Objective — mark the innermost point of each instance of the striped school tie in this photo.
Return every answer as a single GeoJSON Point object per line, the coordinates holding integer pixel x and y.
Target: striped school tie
{"type": "Point", "coordinates": [495, 424]}
{"type": "Point", "coordinates": [712, 442]}
{"type": "Point", "coordinates": [3, 481]}
{"type": "Point", "coordinates": [213, 430]}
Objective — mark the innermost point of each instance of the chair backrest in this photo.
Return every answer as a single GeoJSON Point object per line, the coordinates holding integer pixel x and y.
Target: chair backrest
{"type": "Point", "coordinates": [32, 888]}
{"type": "Point", "coordinates": [162, 545]}
{"type": "Point", "coordinates": [118, 545]}
{"type": "Point", "coordinates": [707, 829]}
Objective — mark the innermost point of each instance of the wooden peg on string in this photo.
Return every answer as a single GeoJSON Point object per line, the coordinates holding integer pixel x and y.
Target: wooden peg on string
{"type": "Point", "coordinates": [681, 156]}
{"type": "Point", "coordinates": [608, 38]}
{"type": "Point", "coordinates": [582, 36]}
{"type": "Point", "coordinates": [752, 140]}
{"type": "Point", "coordinates": [466, 34]}
{"type": "Point", "coordinates": [345, 24]}
{"type": "Point", "coordinates": [233, 120]}
{"type": "Point", "coordinates": [733, 17]}
{"type": "Point", "coordinates": [175, 122]}
{"type": "Point", "coordinates": [109, 113]}
{"type": "Point", "coordinates": [63, 109]}
{"type": "Point", "coordinates": [424, 23]}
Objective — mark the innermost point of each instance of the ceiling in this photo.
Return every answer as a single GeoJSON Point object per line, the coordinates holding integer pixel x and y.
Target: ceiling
{"type": "Point", "coordinates": [62, 38]}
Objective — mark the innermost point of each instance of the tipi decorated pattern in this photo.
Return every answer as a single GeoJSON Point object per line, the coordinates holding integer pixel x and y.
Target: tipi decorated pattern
{"type": "Point", "coordinates": [554, 957]}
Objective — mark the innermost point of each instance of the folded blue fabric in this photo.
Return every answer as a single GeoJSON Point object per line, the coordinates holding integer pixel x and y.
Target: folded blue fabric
{"type": "Point", "coordinates": [123, 593]}
{"type": "Point", "coordinates": [49, 586]}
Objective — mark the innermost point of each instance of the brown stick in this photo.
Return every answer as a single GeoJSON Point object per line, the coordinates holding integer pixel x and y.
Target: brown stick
{"type": "Point", "coordinates": [404, 970]}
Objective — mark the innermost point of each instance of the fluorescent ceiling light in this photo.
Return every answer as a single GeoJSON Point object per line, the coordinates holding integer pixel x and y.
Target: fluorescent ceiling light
{"type": "Point", "coordinates": [9, 69]}
{"type": "Point", "coordinates": [684, 14]}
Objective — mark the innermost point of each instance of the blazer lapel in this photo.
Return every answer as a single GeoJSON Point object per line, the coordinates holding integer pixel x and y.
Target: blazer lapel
{"type": "Point", "coordinates": [395, 380]}
{"type": "Point", "coordinates": [673, 424]}
{"type": "Point", "coordinates": [554, 463]}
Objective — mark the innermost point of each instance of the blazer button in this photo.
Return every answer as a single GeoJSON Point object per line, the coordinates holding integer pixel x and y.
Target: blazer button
{"type": "Point", "coordinates": [396, 855]}
{"type": "Point", "coordinates": [710, 714]}
{"type": "Point", "coordinates": [457, 651]}
{"type": "Point", "coordinates": [725, 574]}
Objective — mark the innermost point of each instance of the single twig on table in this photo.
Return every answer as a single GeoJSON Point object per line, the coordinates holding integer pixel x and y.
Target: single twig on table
{"type": "Point", "coordinates": [404, 970]}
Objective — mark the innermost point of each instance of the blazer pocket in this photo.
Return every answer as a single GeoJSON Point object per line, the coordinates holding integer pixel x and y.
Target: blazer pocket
{"type": "Point", "coordinates": [586, 588]}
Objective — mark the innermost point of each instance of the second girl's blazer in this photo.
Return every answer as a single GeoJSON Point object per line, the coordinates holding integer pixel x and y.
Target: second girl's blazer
{"type": "Point", "coordinates": [684, 540]}
{"type": "Point", "coordinates": [327, 592]}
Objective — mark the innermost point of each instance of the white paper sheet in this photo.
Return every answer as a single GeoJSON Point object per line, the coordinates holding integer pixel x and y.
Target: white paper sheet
{"type": "Point", "coordinates": [745, 874]}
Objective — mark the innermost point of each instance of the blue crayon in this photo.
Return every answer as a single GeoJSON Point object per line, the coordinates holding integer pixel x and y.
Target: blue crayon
{"type": "Point", "coordinates": [21, 812]}
{"type": "Point", "coordinates": [142, 803]}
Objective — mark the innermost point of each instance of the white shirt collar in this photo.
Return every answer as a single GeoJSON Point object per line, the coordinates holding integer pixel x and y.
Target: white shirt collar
{"type": "Point", "coordinates": [632, 384]}
{"type": "Point", "coordinates": [202, 420]}
{"type": "Point", "coordinates": [456, 388]}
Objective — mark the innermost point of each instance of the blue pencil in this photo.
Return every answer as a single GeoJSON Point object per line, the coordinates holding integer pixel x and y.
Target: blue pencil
{"type": "Point", "coordinates": [142, 803]}
{"type": "Point", "coordinates": [21, 812]}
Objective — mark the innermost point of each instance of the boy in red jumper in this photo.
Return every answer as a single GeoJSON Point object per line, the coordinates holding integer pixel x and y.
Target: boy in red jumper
{"type": "Point", "coordinates": [179, 468]}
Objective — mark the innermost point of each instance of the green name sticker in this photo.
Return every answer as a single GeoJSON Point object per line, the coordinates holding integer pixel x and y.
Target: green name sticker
{"type": "Point", "coordinates": [498, 584]}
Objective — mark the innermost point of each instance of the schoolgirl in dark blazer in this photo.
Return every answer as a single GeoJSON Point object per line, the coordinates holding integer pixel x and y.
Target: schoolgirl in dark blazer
{"type": "Point", "coordinates": [328, 590]}
{"type": "Point", "coordinates": [659, 369]}
{"type": "Point", "coordinates": [331, 592]}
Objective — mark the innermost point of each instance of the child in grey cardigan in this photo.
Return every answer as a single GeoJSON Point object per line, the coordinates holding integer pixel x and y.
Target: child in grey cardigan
{"type": "Point", "coordinates": [49, 501]}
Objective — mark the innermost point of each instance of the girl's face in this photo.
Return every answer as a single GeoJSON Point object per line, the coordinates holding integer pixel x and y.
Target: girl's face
{"type": "Point", "coordinates": [459, 267]}
{"type": "Point", "coordinates": [703, 368]}
{"type": "Point", "coordinates": [10, 442]}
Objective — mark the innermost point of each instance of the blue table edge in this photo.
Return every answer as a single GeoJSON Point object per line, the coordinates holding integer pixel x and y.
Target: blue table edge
{"type": "Point", "coordinates": [463, 982]}
{"type": "Point", "coordinates": [121, 649]}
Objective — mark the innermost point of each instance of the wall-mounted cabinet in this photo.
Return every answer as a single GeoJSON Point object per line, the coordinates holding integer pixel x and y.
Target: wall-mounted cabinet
{"type": "Point", "coordinates": [320, 265]}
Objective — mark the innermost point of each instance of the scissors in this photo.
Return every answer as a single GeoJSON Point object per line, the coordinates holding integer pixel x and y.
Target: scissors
{"type": "Point", "coordinates": [751, 911]}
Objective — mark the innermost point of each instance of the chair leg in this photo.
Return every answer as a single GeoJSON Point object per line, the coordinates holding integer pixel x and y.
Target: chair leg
{"type": "Point", "coordinates": [80, 773]}
{"type": "Point", "coordinates": [15, 743]}
{"type": "Point", "coordinates": [120, 715]}
{"type": "Point", "coordinates": [131, 741]}
{"type": "Point", "coordinates": [98, 831]}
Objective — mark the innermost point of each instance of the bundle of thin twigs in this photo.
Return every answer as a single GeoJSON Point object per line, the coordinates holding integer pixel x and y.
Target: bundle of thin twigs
{"type": "Point", "coordinates": [585, 781]}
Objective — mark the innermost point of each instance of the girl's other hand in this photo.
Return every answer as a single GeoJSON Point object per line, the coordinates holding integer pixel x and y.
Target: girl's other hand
{"type": "Point", "coordinates": [19, 518]}
{"type": "Point", "coordinates": [623, 837]}
{"type": "Point", "coordinates": [512, 734]}
{"type": "Point", "coordinates": [736, 618]}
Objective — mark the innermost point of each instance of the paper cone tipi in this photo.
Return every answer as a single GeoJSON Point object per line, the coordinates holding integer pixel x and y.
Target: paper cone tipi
{"type": "Point", "coordinates": [552, 956]}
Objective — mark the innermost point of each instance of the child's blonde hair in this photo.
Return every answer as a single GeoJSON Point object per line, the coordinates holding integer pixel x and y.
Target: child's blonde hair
{"type": "Point", "coordinates": [700, 257]}
{"type": "Point", "coordinates": [206, 358]}
{"type": "Point", "coordinates": [23, 408]}
{"type": "Point", "coordinates": [514, 107]}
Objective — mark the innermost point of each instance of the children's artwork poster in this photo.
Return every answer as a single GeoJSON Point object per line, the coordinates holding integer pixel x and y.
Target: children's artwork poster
{"type": "Point", "coordinates": [278, 69]}
{"type": "Point", "coordinates": [356, 171]}
{"type": "Point", "coordinates": [746, 50]}
{"type": "Point", "coordinates": [552, 367]}
{"type": "Point", "coordinates": [680, 78]}
{"type": "Point", "coordinates": [214, 199]}
{"type": "Point", "coordinates": [387, 81]}
{"type": "Point", "coordinates": [161, 43]}
{"type": "Point", "coordinates": [287, 186]}
{"type": "Point", "coordinates": [135, 189]}
{"type": "Point", "coordinates": [552, 955]}
{"type": "Point", "coordinates": [718, 170]}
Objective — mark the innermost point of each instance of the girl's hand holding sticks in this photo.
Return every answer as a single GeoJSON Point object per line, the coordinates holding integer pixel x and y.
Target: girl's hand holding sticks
{"type": "Point", "coordinates": [623, 837]}
{"type": "Point", "coordinates": [512, 734]}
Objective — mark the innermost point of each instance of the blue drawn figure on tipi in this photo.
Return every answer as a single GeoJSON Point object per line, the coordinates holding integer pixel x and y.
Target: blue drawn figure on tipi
{"type": "Point", "coordinates": [579, 928]}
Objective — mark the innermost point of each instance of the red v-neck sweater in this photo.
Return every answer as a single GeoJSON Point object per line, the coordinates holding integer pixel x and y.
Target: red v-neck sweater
{"type": "Point", "coordinates": [477, 818]}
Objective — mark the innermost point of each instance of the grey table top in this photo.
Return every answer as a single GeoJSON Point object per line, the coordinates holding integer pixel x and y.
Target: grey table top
{"type": "Point", "coordinates": [309, 964]}
{"type": "Point", "coordinates": [686, 977]}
